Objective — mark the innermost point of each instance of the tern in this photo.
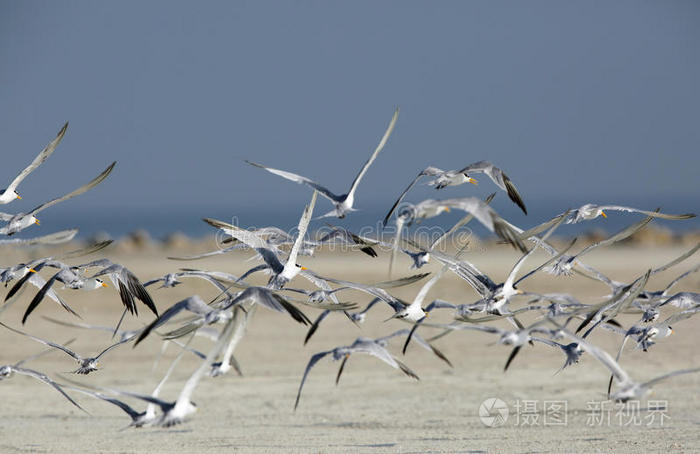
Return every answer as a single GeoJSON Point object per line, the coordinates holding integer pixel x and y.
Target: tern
{"type": "Point", "coordinates": [445, 178]}
{"type": "Point", "coordinates": [281, 274]}
{"type": "Point", "coordinates": [9, 194]}
{"type": "Point", "coordinates": [8, 370]}
{"type": "Point", "coordinates": [85, 364]}
{"type": "Point", "coordinates": [343, 203]}
{"type": "Point", "coordinates": [20, 221]}
{"type": "Point", "coordinates": [361, 345]}
{"type": "Point", "coordinates": [628, 389]}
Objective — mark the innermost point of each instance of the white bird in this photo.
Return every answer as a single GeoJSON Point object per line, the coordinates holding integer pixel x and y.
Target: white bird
{"type": "Point", "coordinates": [10, 193]}
{"type": "Point", "coordinates": [343, 203]}
{"type": "Point", "coordinates": [280, 274]}
{"type": "Point", "coordinates": [591, 211]}
{"type": "Point", "coordinates": [7, 370]}
{"type": "Point", "coordinates": [68, 276]}
{"type": "Point", "coordinates": [628, 389]}
{"type": "Point", "coordinates": [564, 264]}
{"type": "Point", "coordinates": [221, 312]}
{"type": "Point", "coordinates": [176, 412]}
{"type": "Point", "coordinates": [444, 178]}
{"type": "Point", "coordinates": [129, 286]}
{"type": "Point", "coordinates": [138, 419]}
{"type": "Point", "coordinates": [20, 221]}
{"type": "Point", "coordinates": [85, 364]}
{"type": "Point", "coordinates": [414, 312]}
{"type": "Point", "coordinates": [361, 345]}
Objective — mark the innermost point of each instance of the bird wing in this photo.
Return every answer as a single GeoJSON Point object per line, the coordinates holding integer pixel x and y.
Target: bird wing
{"type": "Point", "coordinates": [45, 342]}
{"type": "Point", "coordinates": [47, 380]}
{"type": "Point", "coordinates": [193, 304]}
{"type": "Point", "coordinates": [193, 381]}
{"type": "Point", "coordinates": [669, 375]}
{"type": "Point", "coordinates": [488, 217]}
{"type": "Point", "coordinates": [422, 173]}
{"type": "Point", "coordinates": [428, 285]}
{"type": "Point", "coordinates": [499, 178]}
{"type": "Point", "coordinates": [128, 409]}
{"type": "Point", "coordinates": [301, 233]}
{"type": "Point", "coordinates": [654, 214]}
{"type": "Point", "coordinates": [371, 159]}
{"type": "Point", "coordinates": [44, 290]}
{"type": "Point", "coordinates": [301, 180]}
{"type": "Point", "coordinates": [95, 181]}
{"type": "Point", "coordinates": [38, 160]}
{"type": "Point", "coordinates": [602, 356]}
{"type": "Point", "coordinates": [511, 277]}
{"type": "Point", "coordinates": [312, 362]}
{"type": "Point", "coordinates": [462, 222]}
{"type": "Point", "coordinates": [621, 235]}
{"type": "Point", "coordinates": [252, 240]}
{"type": "Point", "coordinates": [113, 346]}
{"type": "Point", "coordinates": [677, 260]}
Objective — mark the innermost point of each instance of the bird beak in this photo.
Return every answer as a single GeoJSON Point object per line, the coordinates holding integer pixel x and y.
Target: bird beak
{"type": "Point", "coordinates": [32, 270]}
{"type": "Point", "coordinates": [518, 292]}
{"type": "Point", "coordinates": [472, 181]}
{"type": "Point", "coordinates": [104, 285]}
{"type": "Point", "coordinates": [602, 213]}
{"type": "Point", "coordinates": [447, 209]}
{"type": "Point", "coordinates": [36, 221]}
{"type": "Point", "coordinates": [18, 196]}
{"type": "Point", "coordinates": [303, 268]}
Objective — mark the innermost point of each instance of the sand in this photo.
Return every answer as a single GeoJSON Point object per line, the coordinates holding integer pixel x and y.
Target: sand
{"type": "Point", "coordinates": [374, 408]}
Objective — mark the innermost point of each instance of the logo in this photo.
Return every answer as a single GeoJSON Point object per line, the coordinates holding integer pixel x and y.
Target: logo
{"type": "Point", "coordinates": [493, 412]}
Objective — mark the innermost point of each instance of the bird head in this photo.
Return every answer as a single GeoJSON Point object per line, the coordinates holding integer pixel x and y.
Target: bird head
{"type": "Point", "coordinates": [470, 179]}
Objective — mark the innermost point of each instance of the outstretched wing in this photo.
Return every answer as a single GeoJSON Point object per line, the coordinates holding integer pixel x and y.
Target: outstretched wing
{"type": "Point", "coordinates": [655, 214]}
{"type": "Point", "coordinates": [95, 181]}
{"type": "Point", "coordinates": [371, 159]}
{"type": "Point", "coordinates": [301, 232]}
{"type": "Point", "coordinates": [312, 362]}
{"type": "Point", "coordinates": [40, 158]}
{"type": "Point", "coordinates": [498, 177]}
{"type": "Point", "coordinates": [47, 380]}
{"type": "Point", "coordinates": [301, 180]}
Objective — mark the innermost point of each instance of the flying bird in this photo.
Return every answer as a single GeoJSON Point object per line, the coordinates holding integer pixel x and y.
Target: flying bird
{"type": "Point", "coordinates": [10, 193]}
{"type": "Point", "coordinates": [343, 203]}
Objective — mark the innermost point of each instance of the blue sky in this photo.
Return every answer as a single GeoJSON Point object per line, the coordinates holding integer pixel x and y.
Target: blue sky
{"type": "Point", "coordinates": [577, 101]}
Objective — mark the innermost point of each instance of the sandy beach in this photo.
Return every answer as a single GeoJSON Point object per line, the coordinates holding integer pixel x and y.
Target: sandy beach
{"type": "Point", "coordinates": [374, 408]}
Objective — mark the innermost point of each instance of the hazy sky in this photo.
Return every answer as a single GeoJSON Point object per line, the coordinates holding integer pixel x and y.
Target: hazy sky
{"type": "Point", "coordinates": [579, 100]}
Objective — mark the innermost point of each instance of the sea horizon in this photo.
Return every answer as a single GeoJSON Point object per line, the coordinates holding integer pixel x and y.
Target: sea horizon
{"type": "Point", "coordinates": [163, 221]}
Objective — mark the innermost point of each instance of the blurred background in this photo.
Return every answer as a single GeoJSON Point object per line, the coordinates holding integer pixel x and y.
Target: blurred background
{"type": "Point", "coordinates": [577, 101]}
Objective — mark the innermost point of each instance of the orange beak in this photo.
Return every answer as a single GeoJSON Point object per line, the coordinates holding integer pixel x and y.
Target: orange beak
{"type": "Point", "coordinates": [472, 181]}
{"type": "Point", "coordinates": [36, 221]}
{"type": "Point", "coordinates": [104, 285]}
{"type": "Point", "coordinates": [19, 197]}
{"type": "Point", "coordinates": [447, 209]}
{"type": "Point", "coordinates": [32, 270]}
{"type": "Point", "coordinates": [304, 268]}
{"type": "Point", "coordinates": [602, 213]}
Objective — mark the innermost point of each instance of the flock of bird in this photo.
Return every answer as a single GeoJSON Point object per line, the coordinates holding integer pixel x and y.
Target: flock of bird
{"type": "Point", "coordinates": [562, 323]}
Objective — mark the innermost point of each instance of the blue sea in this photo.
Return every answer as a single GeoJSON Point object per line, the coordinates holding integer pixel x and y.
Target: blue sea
{"type": "Point", "coordinates": [161, 221]}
